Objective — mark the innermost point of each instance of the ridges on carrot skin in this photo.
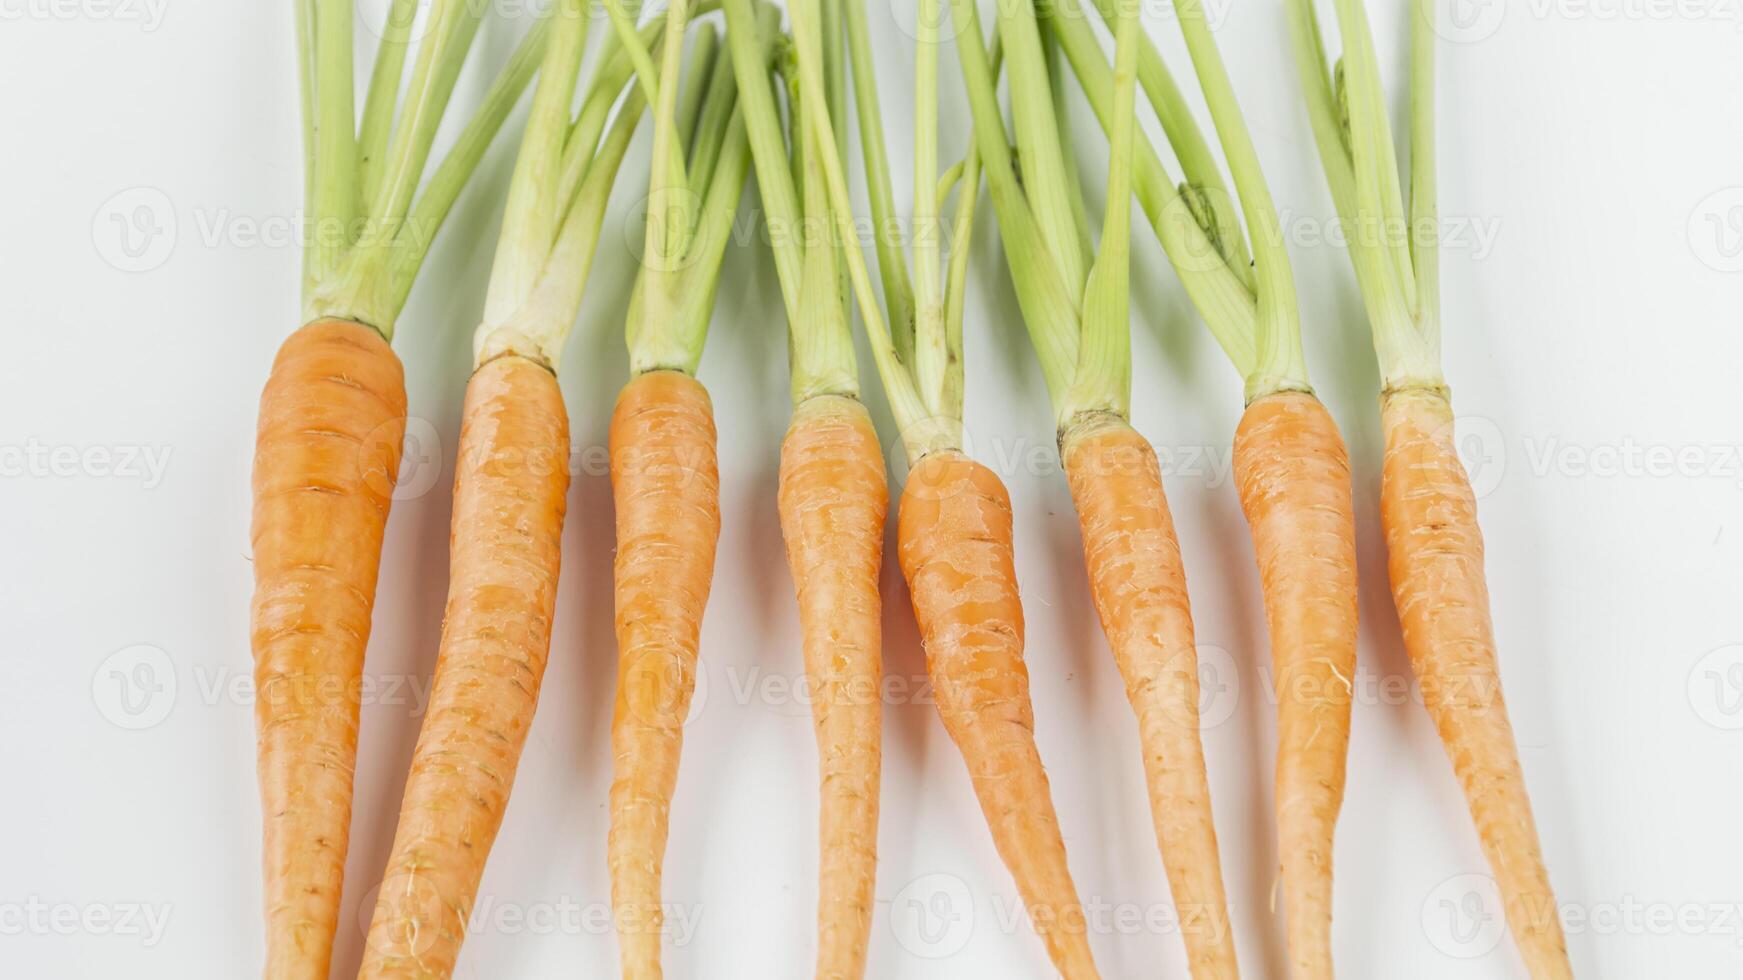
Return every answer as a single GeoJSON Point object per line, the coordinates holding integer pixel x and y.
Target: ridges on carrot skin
{"type": "Point", "coordinates": [1138, 583]}
{"type": "Point", "coordinates": [1435, 555]}
{"type": "Point", "coordinates": [833, 502]}
{"type": "Point", "coordinates": [954, 542]}
{"type": "Point", "coordinates": [666, 484]}
{"type": "Point", "coordinates": [1293, 474]}
{"type": "Point", "coordinates": [510, 493]}
{"type": "Point", "coordinates": [332, 420]}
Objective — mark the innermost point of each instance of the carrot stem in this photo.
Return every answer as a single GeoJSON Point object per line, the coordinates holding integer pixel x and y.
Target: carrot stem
{"type": "Point", "coordinates": [886, 224]}
{"type": "Point", "coordinates": [383, 97]}
{"type": "Point", "coordinates": [335, 202]}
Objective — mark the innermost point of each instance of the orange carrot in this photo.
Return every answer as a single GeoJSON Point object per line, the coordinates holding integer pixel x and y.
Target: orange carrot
{"type": "Point", "coordinates": [1294, 480]}
{"type": "Point", "coordinates": [1435, 552]}
{"type": "Point", "coordinates": [954, 541]}
{"type": "Point", "coordinates": [332, 419]}
{"type": "Point", "coordinates": [1139, 586]}
{"type": "Point", "coordinates": [509, 500]}
{"type": "Point", "coordinates": [666, 484]}
{"type": "Point", "coordinates": [833, 499]}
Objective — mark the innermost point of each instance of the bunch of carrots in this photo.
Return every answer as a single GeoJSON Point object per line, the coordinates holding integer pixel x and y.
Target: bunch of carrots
{"type": "Point", "coordinates": [775, 104]}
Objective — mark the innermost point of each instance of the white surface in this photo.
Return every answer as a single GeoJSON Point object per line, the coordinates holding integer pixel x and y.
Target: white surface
{"type": "Point", "coordinates": [1597, 144]}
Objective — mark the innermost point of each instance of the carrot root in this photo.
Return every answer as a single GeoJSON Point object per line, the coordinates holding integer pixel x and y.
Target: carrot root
{"type": "Point", "coordinates": [954, 541]}
{"type": "Point", "coordinates": [1293, 474]}
{"type": "Point", "coordinates": [332, 420]}
{"type": "Point", "coordinates": [666, 483]}
{"type": "Point", "coordinates": [833, 501]}
{"type": "Point", "coordinates": [1435, 558]}
{"type": "Point", "coordinates": [510, 491]}
{"type": "Point", "coordinates": [1139, 586]}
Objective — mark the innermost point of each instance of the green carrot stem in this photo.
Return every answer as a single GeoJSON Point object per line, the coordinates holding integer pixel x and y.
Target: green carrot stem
{"type": "Point", "coordinates": [1048, 300]}
{"type": "Point", "coordinates": [1044, 182]}
{"type": "Point", "coordinates": [1280, 364]}
{"type": "Point", "coordinates": [1228, 306]}
{"type": "Point", "coordinates": [705, 107]}
{"type": "Point", "coordinates": [457, 166]}
{"type": "Point", "coordinates": [1355, 145]}
{"type": "Point", "coordinates": [1056, 81]}
{"type": "Point", "coordinates": [1424, 188]}
{"type": "Point", "coordinates": [931, 339]}
{"type": "Point", "coordinates": [922, 432]}
{"type": "Point", "coordinates": [335, 198]}
{"type": "Point", "coordinates": [531, 214]}
{"type": "Point", "coordinates": [674, 295]}
{"type": "Point", "coordinates": [886, 226]}
{"type": "Point", "coordinates": [768, 148]}
{"type": "Point", "coordinates": [1102, 382]}
{"type": "Point", "coordinates": [1197, 163]}
{"type": "Point", "coordinates": [383, 97]}
{"type": "Point", "coordinates": [306, 70]}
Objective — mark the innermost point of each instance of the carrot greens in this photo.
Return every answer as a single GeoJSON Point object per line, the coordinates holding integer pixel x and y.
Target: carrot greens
{"type": "Point", "coordinates": [1399, 274]}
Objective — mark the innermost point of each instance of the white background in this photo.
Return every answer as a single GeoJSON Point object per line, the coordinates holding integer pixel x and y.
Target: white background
{"type": "Point", "coordinates": [1592, 174]}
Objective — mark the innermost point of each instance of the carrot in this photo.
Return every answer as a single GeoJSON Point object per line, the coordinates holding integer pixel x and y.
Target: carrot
{"type": "Point", "coordinates": [664, 475]}
{"type": "Point", "coordinates": [833, 500]}
{"type": "Point", "coordinates": [833, 496]}
{"type": "Point", "coordinates": [332, 420]}
{"type": "Point", "coordinates": [1139, 585]}
{"type": "Point", "coordinates": [1429, 514]}
{"type": "Point", "coordinates": [1435, 559]}
{"type": "Point", "coordinates": [509, 498]}
{"type": "Point", "coordinates": [955, 530]}
{"type": "Point", "coordinates": [954, 541]}
{"type": "Point", "coordinates": [666, 483]}
{"type": "Point", "coordinates": [1076, 308]}
{"type": "Point", "coordinates": [510, 489]}
{"type": "Point", "coordinates": [1291, 468]}
{"type": "Point", "coordinates": [1294, 480]}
